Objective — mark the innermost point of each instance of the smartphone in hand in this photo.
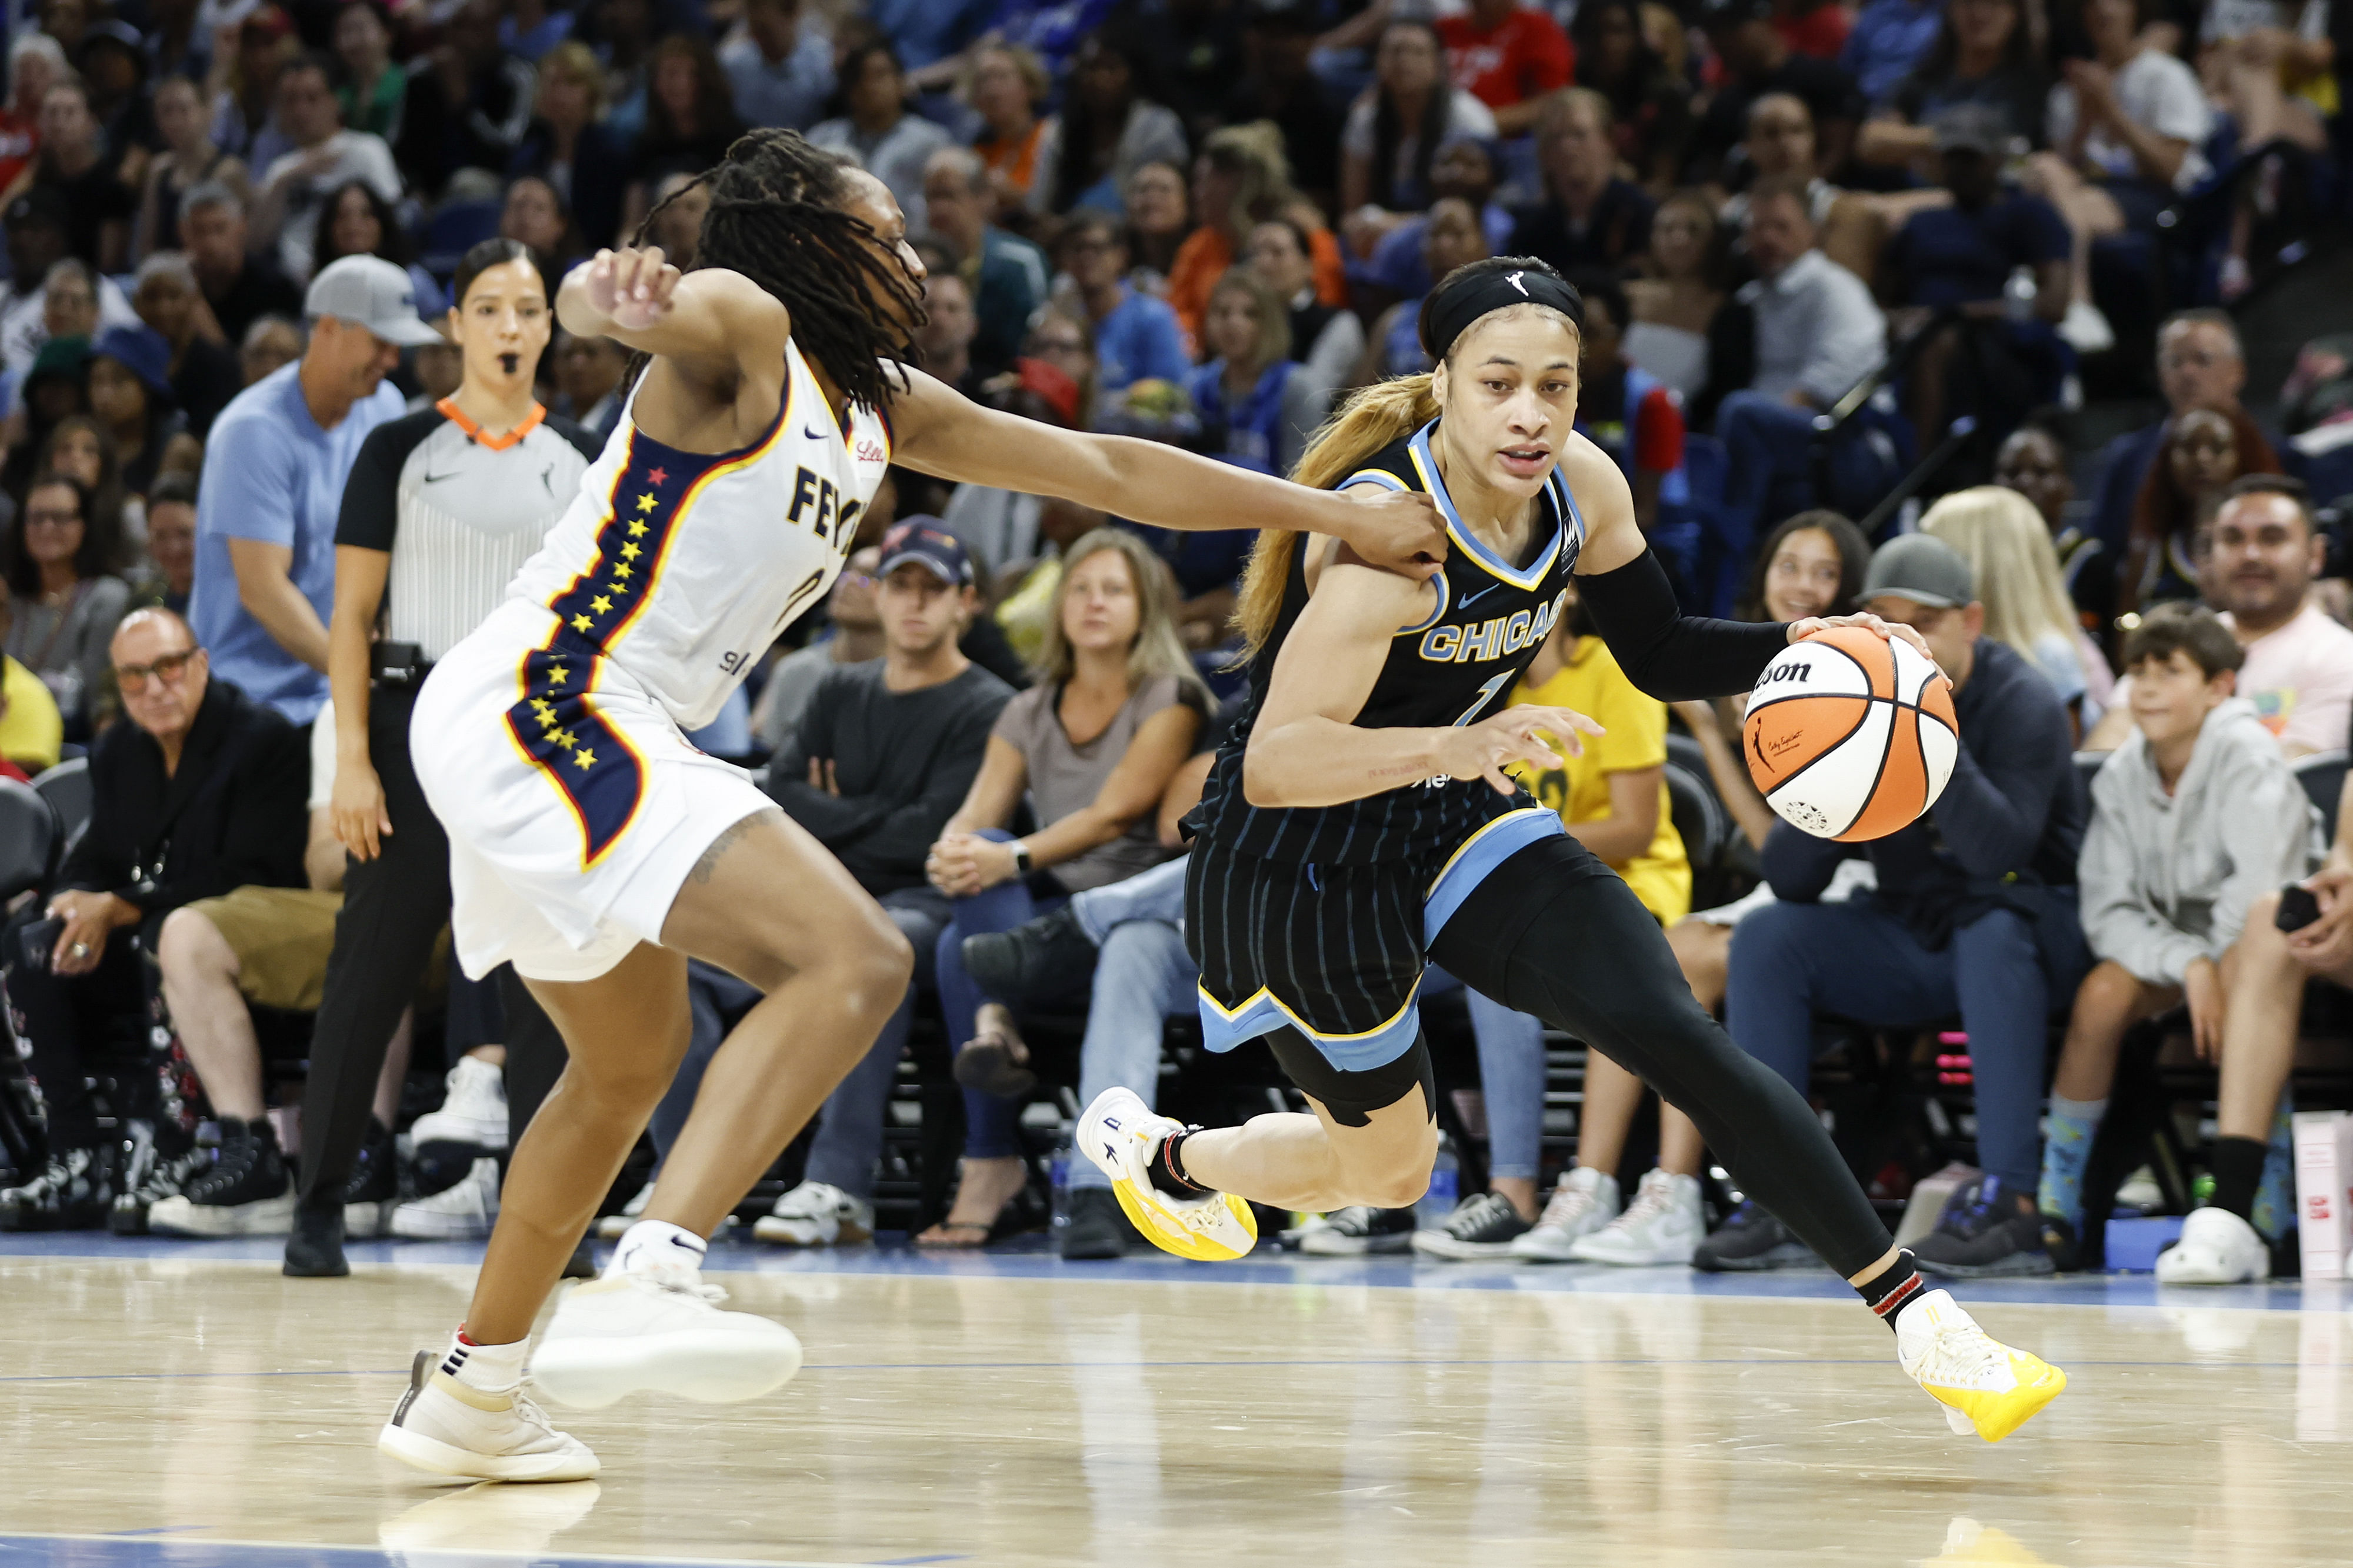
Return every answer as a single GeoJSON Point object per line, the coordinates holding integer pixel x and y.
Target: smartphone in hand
{"type": "Point", "coordinates": [2297, 908]}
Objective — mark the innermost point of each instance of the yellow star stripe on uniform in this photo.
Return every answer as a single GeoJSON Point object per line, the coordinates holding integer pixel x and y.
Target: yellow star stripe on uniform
{"type": "Point", "coordinates": [621, 570]}
{"type": "Point", "coordinates": [631, 552]}
{"type": "Point", "coordinates": [600, 604]}
{"type": "Point", "coordinates": [579, 623]}
{"type": "Point", "coordinates": [636, 528]}
{"type": "Point", "coordinates": [645, 502]}
{"type": "Point", "coordinates": [585, 758]}
{"type": "Point", "coordinates": [555, 672]}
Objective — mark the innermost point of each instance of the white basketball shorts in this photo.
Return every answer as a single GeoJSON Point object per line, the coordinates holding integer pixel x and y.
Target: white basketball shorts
{"type": "Point", "coordinates": [574, 807]}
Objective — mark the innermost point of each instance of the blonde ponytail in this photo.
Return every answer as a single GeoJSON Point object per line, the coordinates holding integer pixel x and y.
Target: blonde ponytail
{"type": "Point", "coordinates": [1367, 422]}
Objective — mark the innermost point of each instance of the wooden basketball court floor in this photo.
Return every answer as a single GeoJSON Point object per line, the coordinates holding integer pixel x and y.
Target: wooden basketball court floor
{"type": "Point", "coordinates": [183, 1403]}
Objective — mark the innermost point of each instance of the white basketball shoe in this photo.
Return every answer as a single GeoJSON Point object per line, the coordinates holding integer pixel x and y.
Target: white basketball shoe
{"type": "Point", "coordinates": [1985, 1387]}
{"type": "Point", "coordinates": [1120, 1133]}
{"type": "Point", "coordinates": [452, 1428]}
{"type": "Point", "coordinates": [1663, 1225]}
{"type": "Point", "coordinates": [816, 1213]}
{"type": "Point", "coordinates": [651, 1324]}
{"type": "Point", "coordinates": [1584, 1202]}
{"type": "Point", "coordinates": [473, 1114]}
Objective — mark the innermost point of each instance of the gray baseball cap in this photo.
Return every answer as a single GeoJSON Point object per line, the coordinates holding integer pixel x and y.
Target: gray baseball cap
{"type": "Point", "coordinates": [1923, 569]}
{"type": "Point", "coordinates": [369, 291]}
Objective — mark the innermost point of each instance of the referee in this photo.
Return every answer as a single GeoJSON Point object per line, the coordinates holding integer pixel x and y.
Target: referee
{"type": "Point", "coordinates": [441, 510]}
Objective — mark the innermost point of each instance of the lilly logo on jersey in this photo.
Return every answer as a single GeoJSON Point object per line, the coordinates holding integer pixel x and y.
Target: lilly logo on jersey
{"type": "Point", "coordinates": [1500, 636]}
{"type": "Point", "coordinates": [872, 451]}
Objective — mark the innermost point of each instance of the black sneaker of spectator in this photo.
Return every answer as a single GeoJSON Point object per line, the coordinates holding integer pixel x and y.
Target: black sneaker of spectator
{"type": "Point", "coordinates": [248, 1170]}
{"type": "Point", "coordinates": [1481, 1225]}
{"type": "Point", "coordinates": [1098, 1229]}
{"type": "Point", "coordinates": [372, 1190]}
{"type": "Point", "coordinates": [2060, 1240]}
{"type": "Point", "coordinates": [1037, 956]}
{"type": "Point", "coordinates": [1354, 1232]}
{"type": "Point", "coordinates": [74, 1191]}
{"type": "Point", "coordinates": [1983, 1235]}
{"type": "Point", "coordinates": [1749, 1242]}
{"type": "Point", "coordinates": [147, 1179]}
{"type": "Point", "coordinates": [314, 1247]}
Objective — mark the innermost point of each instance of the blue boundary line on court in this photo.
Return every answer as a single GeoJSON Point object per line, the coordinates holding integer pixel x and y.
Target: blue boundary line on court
{"type": "Point", "coordinates": [143, 1548]}
{"type": "Point", "coordinates": [1036, 1261]}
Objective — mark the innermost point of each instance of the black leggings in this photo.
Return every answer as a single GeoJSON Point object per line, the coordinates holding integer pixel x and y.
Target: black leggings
{"type": "Point", "coordinates": [1554, 932]}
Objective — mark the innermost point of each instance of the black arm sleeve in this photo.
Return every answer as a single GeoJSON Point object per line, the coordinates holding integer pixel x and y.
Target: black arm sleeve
{"type": "Point", "coordinates": [1671, 656]}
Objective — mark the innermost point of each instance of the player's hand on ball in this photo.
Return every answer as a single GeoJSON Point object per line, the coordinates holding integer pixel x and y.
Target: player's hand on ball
{"type": "Point", "coordinates": [1813, 624]}
{"type": "Point", "coordinates": [1482, 751]}
{"type": "Point", "coordinates": [1399, 532]}
{"type": "Point", "coordinates": [631, 288]}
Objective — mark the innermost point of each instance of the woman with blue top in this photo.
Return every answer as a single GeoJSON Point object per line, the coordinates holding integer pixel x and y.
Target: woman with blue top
{"type": "Point", "coordinates": [1257, 406]}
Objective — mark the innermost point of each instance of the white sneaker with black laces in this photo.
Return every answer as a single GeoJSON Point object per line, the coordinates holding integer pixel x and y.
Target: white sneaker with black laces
{"type": "Point", "coordinates": [1483, 1224]}
{"type": "Point", "coordinates": [452, 1428]}
{"type": "Point", "coordinates": [465, 1212]}
{"type": "Point", "coordinates": [2217, 1248]}
{"type": "Point", "coordinates": [816, 1213]}
{"type": "Point", "coordinates": [655, 1327]}
{"type": "Point", "coordinates": [473, 1114]}
{"type": "Point", "coordinates": [1663, 1225]}
{"type": "Point", "coordinates": [1357, 1230]}
{"type": "Point", "coordinates": [1584, 1202]}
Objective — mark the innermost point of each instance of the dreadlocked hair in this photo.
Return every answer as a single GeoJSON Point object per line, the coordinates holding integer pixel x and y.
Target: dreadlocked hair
{"type": "Point", "coordinates": [776, 217]}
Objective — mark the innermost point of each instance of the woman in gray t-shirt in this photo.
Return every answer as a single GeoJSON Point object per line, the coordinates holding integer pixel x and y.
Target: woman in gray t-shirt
{"type": "Point", "coordinates": [63, 606]}
{"type": "Point", "coordinates": [1093, 745]}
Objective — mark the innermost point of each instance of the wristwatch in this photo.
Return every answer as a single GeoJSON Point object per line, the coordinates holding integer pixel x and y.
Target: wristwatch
{"type": "Point", "coordinates": [1020, 858]}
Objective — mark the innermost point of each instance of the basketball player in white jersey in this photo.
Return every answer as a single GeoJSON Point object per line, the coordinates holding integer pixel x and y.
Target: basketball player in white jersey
{"type": "Point", "coordinates": [595, 849]}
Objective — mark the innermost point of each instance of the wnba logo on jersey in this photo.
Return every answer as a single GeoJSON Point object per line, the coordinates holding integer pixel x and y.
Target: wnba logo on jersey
{"type": "Point", "coordinates": [1479, 642]}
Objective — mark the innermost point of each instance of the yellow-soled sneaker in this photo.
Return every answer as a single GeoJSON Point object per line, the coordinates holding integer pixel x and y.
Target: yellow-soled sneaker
{"type": "Point", "coordinates": [1119, 1133]}
{"type": "Point", "coordinates": [1985, 1387]}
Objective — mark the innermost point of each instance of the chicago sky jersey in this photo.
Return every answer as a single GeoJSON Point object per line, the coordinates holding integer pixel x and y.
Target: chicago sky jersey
{"type": "Point", "coordinates": [1455, 666]}
{"type": "Point", "coordinates": [683, 567]}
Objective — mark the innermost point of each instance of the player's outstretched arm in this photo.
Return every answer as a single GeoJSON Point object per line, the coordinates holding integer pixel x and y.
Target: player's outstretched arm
{"type": "Point", "coordinates": [1306, 749]}
{"type": "Point", "coordinates": [939, 431]}
{"type": "Point", "coordinates": [1665, 653]}
{"type": "Point", "coordinates": [709, 322]}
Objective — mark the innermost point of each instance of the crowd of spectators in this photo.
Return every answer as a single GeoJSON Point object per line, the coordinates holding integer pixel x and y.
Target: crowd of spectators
{"type": "Point", "coordinates": [1834, 258]}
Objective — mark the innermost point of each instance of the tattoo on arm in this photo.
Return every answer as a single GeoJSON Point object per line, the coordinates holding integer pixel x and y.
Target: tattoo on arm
{"type": "Point", "coordinates": [709, 863]}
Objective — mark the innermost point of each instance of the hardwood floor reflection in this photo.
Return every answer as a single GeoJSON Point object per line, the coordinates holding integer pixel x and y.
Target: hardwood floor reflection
{"type": "Point", "coordinates": [1083, 1421]}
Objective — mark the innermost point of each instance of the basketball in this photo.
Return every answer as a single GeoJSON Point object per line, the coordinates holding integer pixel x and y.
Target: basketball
{"type": "Point", "coordinates": [1850, 735]}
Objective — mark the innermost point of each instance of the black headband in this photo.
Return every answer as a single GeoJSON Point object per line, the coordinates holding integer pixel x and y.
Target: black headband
{"type": "Point", "coordinates": [1452, 310]}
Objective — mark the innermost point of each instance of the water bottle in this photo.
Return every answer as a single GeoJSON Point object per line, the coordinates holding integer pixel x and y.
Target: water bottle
{"type": "Point", "coordinates": [2019, 294]}
{"type": "Point", "coordinates": [1445, 1173]}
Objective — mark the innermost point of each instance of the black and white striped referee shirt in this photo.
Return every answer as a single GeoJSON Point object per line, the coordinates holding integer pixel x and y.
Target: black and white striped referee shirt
{"type": "Point", "coordinates": [459, 511]}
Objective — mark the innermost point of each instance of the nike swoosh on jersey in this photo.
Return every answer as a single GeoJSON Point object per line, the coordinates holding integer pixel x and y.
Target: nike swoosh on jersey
{"type": "Point", "coordinates": [1469, 599]}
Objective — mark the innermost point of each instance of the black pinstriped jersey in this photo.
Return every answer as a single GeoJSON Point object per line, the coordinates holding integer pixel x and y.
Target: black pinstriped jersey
{"type": "Point", "coordinates": [1455, 668]}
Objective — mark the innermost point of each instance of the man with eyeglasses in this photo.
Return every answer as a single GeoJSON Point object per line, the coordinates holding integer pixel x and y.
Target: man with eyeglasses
{"type": "Point", "coordinates": [201, 794]}
{"type": "Point", "coordinates": [2198, 365]}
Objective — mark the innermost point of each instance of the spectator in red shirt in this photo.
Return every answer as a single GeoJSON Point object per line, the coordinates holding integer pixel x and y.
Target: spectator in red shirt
{"type": "Point", "coordinates": [1508, 58]}
{"type": "Point", "coordinates": [1816, 27]}
{"type": "Point", "coordinates": [1625, 411]}
{"type": "Point", "coordinates": [35, 64]}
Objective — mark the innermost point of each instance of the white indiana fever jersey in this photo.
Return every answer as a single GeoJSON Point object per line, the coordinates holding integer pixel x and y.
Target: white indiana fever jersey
{"type": "Point", "coordinates": [683, 567]}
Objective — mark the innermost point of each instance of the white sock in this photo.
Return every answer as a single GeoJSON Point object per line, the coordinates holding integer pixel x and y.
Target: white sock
{"type": "Point", "coordinates": [655, 1242]}
{"type": "Point", "coordinates": [494, 1369]}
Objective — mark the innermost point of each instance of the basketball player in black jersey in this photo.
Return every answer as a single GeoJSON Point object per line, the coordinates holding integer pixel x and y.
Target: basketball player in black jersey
{"type": "Point", "coordinates": [1359, 824]}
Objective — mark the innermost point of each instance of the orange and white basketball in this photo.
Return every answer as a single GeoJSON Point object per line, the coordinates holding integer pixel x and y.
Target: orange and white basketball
{"type": "Point", "coordinates": [1850, 735]}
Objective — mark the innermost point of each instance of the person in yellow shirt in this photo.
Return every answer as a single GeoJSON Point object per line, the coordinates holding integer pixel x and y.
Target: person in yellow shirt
{"type": "Point", "coordinates": [31, 727]}
{"type": "Point", "coordinates": [1613, 800]}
